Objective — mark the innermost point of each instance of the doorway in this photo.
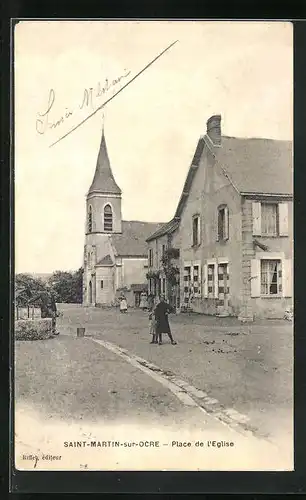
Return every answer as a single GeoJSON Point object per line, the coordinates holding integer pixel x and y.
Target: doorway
{"type": "Point", "coordinates": [90, 292]}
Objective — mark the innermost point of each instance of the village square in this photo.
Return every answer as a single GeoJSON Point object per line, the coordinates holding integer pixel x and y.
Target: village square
{"type": "Point", "coordinates": [221, 362]}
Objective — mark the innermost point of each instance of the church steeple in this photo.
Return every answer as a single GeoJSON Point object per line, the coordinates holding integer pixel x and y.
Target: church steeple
{"type": "Point", "coordinates": [103, 200]}
{"type": "Point", "coordinates": [103, 181]}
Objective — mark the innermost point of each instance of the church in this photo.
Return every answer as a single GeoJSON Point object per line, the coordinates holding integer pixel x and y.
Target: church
{"type": "Point", "coordinates": [115, 251]}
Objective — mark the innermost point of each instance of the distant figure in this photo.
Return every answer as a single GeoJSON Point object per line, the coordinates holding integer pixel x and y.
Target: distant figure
{"type": "Point", "coordinates": [151, 302]}
{"type": "Point", "coordinates": [162, 322]}
{"type": "Point", "coordinates": [123, 304]}
{"type": "Point", "coordinates": [152, 323]}
{"type": "Point", "coordinates": [143, 301]}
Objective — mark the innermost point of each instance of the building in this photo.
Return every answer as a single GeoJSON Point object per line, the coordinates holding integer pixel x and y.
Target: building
{"type": "Point", "coordinates": [163, 262]}
{"type": "Point", "coordinates": [115, 250]}
{"type": "Point", "coordinates": [234, 227]}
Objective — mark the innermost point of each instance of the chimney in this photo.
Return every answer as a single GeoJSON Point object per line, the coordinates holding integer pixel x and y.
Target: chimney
{"type": "Point", "coordinates": [213, 129]}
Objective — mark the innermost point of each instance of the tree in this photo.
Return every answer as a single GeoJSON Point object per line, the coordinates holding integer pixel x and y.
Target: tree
{"type": "Point", "coordinates": [67, 286]}
{"type": "Point", "coordinates": [27, 288]}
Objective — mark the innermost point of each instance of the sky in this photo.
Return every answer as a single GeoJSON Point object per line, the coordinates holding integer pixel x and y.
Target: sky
{"type": "Point", "coordinates": [242, 70]}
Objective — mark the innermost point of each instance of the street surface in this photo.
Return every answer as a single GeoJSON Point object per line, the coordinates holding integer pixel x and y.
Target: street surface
{"type": "Point", "coordinates": [222, 382]}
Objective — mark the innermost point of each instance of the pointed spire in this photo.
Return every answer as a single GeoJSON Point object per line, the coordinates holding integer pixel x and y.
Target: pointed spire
{"type": "Point", "coordinates": [103, 180]}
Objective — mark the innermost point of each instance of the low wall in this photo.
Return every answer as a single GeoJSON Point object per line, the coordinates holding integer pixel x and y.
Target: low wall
{"type": "Point", "coordinates": [33, 329]}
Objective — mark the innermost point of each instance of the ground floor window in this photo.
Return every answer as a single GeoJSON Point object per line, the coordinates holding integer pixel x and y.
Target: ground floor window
{"type": "Point", "coordinates": [270, 277]}
{"type": "Point", "coordinates": [211, 280]}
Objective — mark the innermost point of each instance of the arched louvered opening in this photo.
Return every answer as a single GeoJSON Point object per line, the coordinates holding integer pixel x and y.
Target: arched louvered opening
{"type": "Point", "coordinates": [89, 222]}
{"type": "Point", "coordinates": [108, 218]}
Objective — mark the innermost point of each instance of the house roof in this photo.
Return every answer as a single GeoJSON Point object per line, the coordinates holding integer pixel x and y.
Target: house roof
{"type": "Point", "coordinates": [167, 228]}
{"type": "Point", "coordinates": [103, 180]}
{"type": "Point", "coordinates": [257, 165]}
{"type": "Point", "coordinates": [106, 261]}
{"type": "Point", "coordinates": [139, 287]}
{"type": "Point", "coordinates": [132, 241]}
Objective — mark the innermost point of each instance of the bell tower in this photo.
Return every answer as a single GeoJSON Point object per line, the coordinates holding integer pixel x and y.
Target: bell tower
{"type": "Point", "coordinates": [103, 218]}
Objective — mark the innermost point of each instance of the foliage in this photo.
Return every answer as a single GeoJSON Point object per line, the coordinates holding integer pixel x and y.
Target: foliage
{"type": "Point", "coordinates": [171, 271]}
{"type": "Point", "coordinates": [36, 329]}
{"type": "Point", "coordinates": [61, 286]}
{"type": "Point", "coordinates": [67, 286]}
{"type": "Point", "coordinates": [172, 253]}
{"type": "Point", "coordinates": [27, 288]}
{"type": "Point", "coordinates": [153, 275]}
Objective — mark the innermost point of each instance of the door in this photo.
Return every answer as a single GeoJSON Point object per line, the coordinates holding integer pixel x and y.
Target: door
{"type": "Point", "coordinates": [137, 299]}
{"type": "Point", "coordinates": [90, 292]}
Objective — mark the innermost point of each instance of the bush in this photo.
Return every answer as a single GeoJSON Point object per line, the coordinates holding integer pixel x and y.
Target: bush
{"type": "Point", "coordinates": [33, 329]}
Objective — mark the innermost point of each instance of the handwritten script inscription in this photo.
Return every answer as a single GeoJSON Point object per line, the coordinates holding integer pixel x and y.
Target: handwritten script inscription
{"type": "Point", "coordinates": [44, 120]}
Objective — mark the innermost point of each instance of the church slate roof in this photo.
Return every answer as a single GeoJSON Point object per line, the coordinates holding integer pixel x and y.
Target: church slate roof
{"type": "Point", "coordinates": [132, 241]}
{"type": "Point", "coordinates": [103, 180]}
{"type": "Point", "coordinates": [167, 228]}
{"type": "Point", "coordinates": [106, 261]}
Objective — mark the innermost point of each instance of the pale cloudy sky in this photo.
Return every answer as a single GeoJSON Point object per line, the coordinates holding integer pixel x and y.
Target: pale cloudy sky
{"type": "Point", "coordinates": [243, 70]}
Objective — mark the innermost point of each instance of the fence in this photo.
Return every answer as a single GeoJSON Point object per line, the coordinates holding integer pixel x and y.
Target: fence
{"type": "Point", "coordinates": [30, 312]}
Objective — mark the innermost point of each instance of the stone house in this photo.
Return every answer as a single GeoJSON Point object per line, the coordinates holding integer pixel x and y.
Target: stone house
{"type": "Point", "coordinates": [235, 226]}
{"type": "Point", "coordinates": [115, 251]}
{"type": "Point", "coordinates": [163, 257]}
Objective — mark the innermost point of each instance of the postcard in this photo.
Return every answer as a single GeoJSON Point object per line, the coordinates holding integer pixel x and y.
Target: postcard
{"type": "Point", "coordinates": [153, 312]}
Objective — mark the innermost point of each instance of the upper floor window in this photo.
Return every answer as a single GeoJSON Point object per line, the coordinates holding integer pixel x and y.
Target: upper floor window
{"type": "Point", "coordinates": [223, 223]}
{"type": "Point", "coordinates": [108, 218]}
{"type": "Point", "coordinates": [150, 257]}
{"type": "Point", "coordinates": [90, 219]}
{"type": "Point", "coordinates": [196, 230]}
{"type": "Point", "coordinates": [163, 250]}
{"type": "Point", "coordinates": [270, 219]}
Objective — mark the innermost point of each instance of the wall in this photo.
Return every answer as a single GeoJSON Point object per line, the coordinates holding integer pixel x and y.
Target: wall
{"type": "Point", "coordinates": [263, 307]}
{"type": "Point", "coordinates": [210, 188]}
{"type": "Point", "coordinates": [134, 271]}
{"type": "Point", "coordinates": [105, 295]}
{"type": "Point", "coordinates": [98, 245]}
{"type": "Point", "coordinates": [168, 240]}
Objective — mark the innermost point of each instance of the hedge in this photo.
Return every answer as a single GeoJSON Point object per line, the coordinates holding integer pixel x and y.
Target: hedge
{"type": "Point", "coordinates": [33, 329]}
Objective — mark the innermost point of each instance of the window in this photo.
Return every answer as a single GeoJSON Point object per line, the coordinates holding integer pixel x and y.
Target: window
{"type": "Point", "coordinates": [101, 283]}
{"type": "Point", "coordinates": [196, 230]}
{"type": "Point", "coordinates": [163, 250]}
{"type": "Point", "coordinates": [164, 285]}
{"type": "Point", "coordinates": [150, 257]}
{"type": "Point", "coordinates": [270, 277]}
{"type": "Point", "coordinates": [269, 219]}
{"type": "Point", "coordinates": [211, 280]}
{"type": "Point", "coordinates": [223, 223]}
{"type": "Point", "coordinates": [89, 219]}
{"type": "Point", "coordinates": [108, 218]}
{"type": "Point", "coordinates": [196, 279]}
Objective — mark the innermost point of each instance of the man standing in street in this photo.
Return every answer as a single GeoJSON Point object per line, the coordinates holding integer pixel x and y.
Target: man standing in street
{"type": "Point", "coordinates": [162, 322]}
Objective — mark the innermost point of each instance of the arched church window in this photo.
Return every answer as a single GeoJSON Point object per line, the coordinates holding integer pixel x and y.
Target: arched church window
{"type": "Point", "coordinates": [90, 219]}
{"type": "Point", "coordinates": [108, 218]}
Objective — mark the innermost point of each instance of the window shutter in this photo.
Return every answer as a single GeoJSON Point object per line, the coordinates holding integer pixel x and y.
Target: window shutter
{"type": "Point", "coordinates": [283, 219]}
{"type": "Point", "coordinates": [255, 277]}
{"type": "Point", "coordinates": [216, 280]}
{"type": "Point", "coordinates": [287, 277]}
{"type": "Point", "coordinates": [226, 223]}
{"type": "Point", "coordinates": [256, 214]}
{"type": "Point", "coordinates": [205, 280]}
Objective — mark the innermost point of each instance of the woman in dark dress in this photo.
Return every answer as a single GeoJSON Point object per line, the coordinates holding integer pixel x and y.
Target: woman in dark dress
{"type": "Point", "coordinates": [162, 322]}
